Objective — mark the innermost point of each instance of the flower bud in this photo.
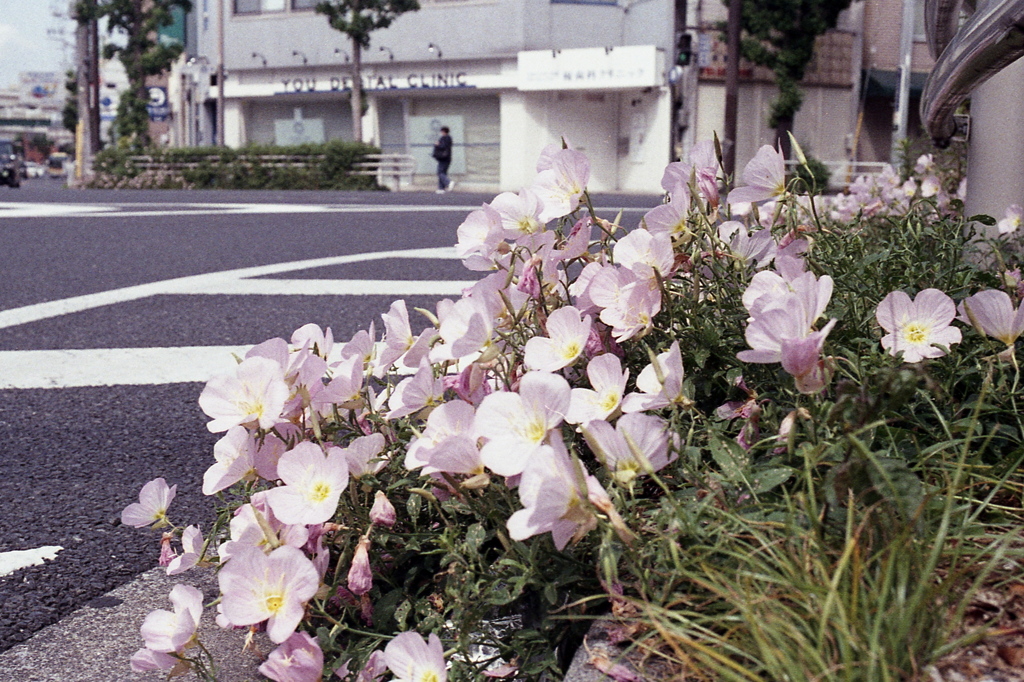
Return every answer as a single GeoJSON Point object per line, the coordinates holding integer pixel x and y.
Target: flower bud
{"type": "Point", "coordinates": [360, 577]}
{"type": "Point", "coordinates": [383, 512]}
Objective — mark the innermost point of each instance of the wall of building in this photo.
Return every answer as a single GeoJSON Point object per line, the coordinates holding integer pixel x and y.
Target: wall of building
{"type": "Point", "coordinates": [289, 70]}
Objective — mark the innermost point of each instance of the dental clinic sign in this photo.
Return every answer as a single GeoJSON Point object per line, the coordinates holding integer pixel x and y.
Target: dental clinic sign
{"type": "Point", "coordinates": [371, 82]}
{"type": "Point", "coordinates": [631, 66]}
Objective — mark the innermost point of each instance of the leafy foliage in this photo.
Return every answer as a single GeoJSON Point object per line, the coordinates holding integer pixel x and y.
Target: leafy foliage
{"type": "Point", "coordinates": [780, 35]}
{"type": "Point", "coordinates": [142, 54]}
{"type": "Point", "coordinates": [307, 166]}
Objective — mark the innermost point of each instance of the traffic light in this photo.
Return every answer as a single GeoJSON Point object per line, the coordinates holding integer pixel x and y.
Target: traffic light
{"type": "Point", "coordinates": [684, 49]}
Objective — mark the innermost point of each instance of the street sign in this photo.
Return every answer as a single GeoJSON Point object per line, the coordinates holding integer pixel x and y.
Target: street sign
{"type": "Point", "coordinates": [159, 107]}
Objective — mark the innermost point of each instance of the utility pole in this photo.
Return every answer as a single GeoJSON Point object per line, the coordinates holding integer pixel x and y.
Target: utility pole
{"type": "Point", "coordinates": [220, 73]}
{"type": "Point", "coordinates": [732, 86]}
{"type": "Point", "coordinates": [87, 68]}
{"type": "Point", "coordinates": [902, 114]}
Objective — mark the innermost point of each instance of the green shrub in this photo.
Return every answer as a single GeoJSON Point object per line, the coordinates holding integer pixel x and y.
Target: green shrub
{"type": "Point", "coordinates": [321, 166]}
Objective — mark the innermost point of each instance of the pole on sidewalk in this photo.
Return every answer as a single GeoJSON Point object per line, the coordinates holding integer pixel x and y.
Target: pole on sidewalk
{"type": "Point", "coordinates": [732, 86]}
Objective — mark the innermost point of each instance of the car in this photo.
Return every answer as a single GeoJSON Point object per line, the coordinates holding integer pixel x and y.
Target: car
{"type": "Point", "coordinates": [10, 165]}
{"type": "Point", "coordinates": [34, 170]}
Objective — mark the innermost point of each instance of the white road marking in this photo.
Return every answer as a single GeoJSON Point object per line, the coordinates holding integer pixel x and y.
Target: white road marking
{"type": "Point", "coordinates": [337, 287]}
{"type": "Point", "coordinates": [132, 210]}
{"type": "Point", "coordinates": [23, 558]}
{"type": "Point", "coordinates": [115, 366]}
{"type": "Point", "coordinates": [236, 281]}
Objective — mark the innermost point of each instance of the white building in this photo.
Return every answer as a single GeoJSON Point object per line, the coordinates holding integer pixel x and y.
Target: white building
{"type": "Point", "coordinates": [507, 76]}
{"type": "Point", "coordinates": [511, 76]}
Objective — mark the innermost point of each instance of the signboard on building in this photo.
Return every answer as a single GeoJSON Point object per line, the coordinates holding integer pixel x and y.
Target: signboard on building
{"type": "Point", "coordinates": [41, 87]}
{"type": "Point", "coordinates": [591, 68]}
{"type": "Point", "coordinates": [158, 107]}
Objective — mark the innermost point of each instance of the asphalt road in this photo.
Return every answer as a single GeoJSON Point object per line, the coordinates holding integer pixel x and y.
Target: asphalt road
{"type": "Point", "coordinates": [97, 277]}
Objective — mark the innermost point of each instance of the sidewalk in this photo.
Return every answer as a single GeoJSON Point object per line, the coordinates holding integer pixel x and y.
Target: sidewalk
{"type": "Point", "coordinates": [95, 643]}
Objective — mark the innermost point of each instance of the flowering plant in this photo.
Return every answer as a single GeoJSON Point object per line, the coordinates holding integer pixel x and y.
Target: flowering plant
{"type": "Point", "coordinates": [554, 444]}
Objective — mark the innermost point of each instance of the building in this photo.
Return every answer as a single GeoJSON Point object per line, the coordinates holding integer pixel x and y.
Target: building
{"type": "Point", "coordinates": [511, 76]}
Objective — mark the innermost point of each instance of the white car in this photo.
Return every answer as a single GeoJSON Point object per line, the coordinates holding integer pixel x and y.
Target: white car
{"type": "Point", "coordinates": [34, 170]}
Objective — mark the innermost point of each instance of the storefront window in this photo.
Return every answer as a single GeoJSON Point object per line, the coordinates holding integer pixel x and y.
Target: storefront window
{"type": "Point", "coordinates": [303, 4]}
{"type": "Point", "coordinates": [258, 6]}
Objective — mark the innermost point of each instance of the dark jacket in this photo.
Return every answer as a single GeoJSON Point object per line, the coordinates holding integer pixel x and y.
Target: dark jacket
{"type": "Point", "coordinates": [443, 148]}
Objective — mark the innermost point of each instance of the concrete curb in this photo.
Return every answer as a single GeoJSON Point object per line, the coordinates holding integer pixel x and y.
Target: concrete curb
{"type": "Point", "coordinates": [95, 643]}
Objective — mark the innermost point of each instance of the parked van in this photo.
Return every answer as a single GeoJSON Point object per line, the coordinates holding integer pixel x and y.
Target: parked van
{"type": "Point", "coordinates": [10, 165]}
{"type": "Point", "coordinates": [56, 163]}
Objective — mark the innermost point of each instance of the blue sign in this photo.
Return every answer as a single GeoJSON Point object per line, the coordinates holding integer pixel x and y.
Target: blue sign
{"type": "Point", "coordinates": [159, 107]}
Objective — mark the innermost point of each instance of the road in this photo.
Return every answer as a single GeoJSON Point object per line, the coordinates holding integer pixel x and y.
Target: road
{"type": "Point", "coordinates": [115, 306]}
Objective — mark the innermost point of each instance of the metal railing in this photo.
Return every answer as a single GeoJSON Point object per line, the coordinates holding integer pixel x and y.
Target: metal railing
{"type": "Point", "coordinates": [385, 167]}
{"type": "Point", "coordinates": [991, 39]}
{"type": "Point", "coordinates": [845, 172]}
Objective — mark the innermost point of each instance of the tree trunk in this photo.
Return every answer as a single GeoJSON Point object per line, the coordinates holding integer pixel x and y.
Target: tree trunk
{"type": "Point", "coordinates": [782, 130]}
{"type": "Point", "coordinates": [357, 92]}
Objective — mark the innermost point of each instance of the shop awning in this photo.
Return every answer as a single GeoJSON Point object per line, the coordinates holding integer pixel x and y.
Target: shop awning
{"type": "Point", "coordinates": [885, 83]}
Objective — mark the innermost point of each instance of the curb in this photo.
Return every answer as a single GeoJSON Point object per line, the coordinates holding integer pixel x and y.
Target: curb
{"type": "Point", "coordinates": [96, 642]}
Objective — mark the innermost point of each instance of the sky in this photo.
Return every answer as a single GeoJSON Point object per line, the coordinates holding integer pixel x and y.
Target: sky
{"type": "Point", "coordinates": [26, 40]}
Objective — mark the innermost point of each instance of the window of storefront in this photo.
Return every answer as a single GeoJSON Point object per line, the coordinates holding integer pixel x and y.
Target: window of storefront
{"type": "Point", "coordinates": [303, 4]}
{"type": "Point", "coordinates": [258, 6]}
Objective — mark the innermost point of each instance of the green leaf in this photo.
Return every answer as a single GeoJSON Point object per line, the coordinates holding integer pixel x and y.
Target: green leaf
{"type": "Point", "coordinates": [983, 219]}
{"type": "Point", "coordinates": [766, 480]}
{"type": "Point", "coordinates": [475, 536]}
{"type": "Point", "coordinates": [732, 460]}
{"type": "Point", "coordinates": [413, 506]}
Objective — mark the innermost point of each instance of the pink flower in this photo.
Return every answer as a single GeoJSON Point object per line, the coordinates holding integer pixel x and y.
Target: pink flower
{"type": "Point", "coordinates": [192, 546]}
{"type": "Point", "coordinates": [167, 632]}
{"type": "Point", "coordinates": [1011, 220]}
{"type": "Point", "coordinates": [383, 512]}
{"type": "Point", "coordinates": [398, 341]}
{"type": "Point", "coordinates": [637, 444]}
{"type": "Point", "coordinates": [516, 424]}
{"type": "Point", "coordinates": [645, 253]}
{"type": "Point", "coordinates": [554, 490]}
{"type": "Point", "coordinates": [670, 218]}
{"type": "Point", "coordinates": [145, 660]}
{"type": "Point", "coordinates": [412, 659]}
{"type": "Point", "coordinates": [154, 498]}
{"type": "Point", "coordinates": [454, 418]}
{"type": "Point", "coordinates": [608, 382]}
{"type": "Point", "coordinates": [562, 184]}
{"type": "Point", "coordinates": [374, 669]}
{"type": "Point", "coordinates": [363, 455]}
{"type": "Point", "coordinates": [416, 392]}
{"type": "Point", "coordinates": [360, 575]}
{"type": "Point", "coordinates": [520, 213]}
{"type": "Point", "coordinates": [235, 453]}
{"type": "Point", "coordinates": [661, 385]}
{"type": "Point", "coordinates": [568, 332]}
{"type": "Point", "coordinates": [313, 484]}
{"type": "Point", "coordinates": [992, 312]}
{"type": "Point", "coordinates": [320, 341]}
{"type": "Point", "coordinates": [917, 327]}
{"type": "Point", "coordinates": [275, 588]}
{"type": "Point", "coordinates": [254, 396]}
{"type": "Point", "coordinates": [298, 659]}
{"type": "Point", "coordinates": [480, 236]}
{"type": "Point", "coordinates": [764, 176]}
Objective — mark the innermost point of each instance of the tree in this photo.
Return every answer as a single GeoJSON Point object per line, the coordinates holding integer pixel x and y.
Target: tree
{"type": "Point", "coordinates": [69, 115]}
{"type": "Point", "coordinates": [142, 54]}
{"type": "Point", "coordinates": [358, 19]}
{"type": "Point", "coordinates": [780, 35]}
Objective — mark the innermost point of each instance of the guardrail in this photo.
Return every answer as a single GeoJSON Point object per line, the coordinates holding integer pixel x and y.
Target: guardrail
{"type": "Point", "coordinates": [386, 166]}
{"type": "Point", "coordinates": [990, 40]}
{"type": "Point", "coordinates": [146, 162]}
{"type": "Point", "coordinates": [845, 172]}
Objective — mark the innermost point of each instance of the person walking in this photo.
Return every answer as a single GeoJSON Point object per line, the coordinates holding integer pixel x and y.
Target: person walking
{"type": "Point", "coordinates": [443, 154]}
